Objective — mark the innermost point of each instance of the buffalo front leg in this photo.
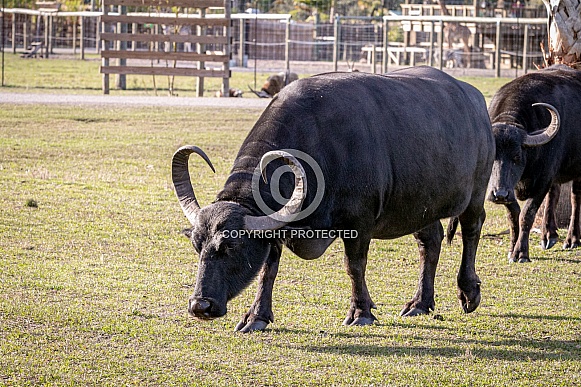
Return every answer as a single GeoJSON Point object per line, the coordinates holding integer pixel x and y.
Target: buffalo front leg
{"type": "Point", "coordinates": [356, 262]}
{"type": "Point", "coordinates": [513, 214]}
{"type": "Point", "coordinates": [471, 222]}
{"type": "Point", "coordinates": [260, 313]}
{"type": "Point", "coordinates": [574, 233]}
{"type": "Point", "coordinates": [520, 252]}
{"type": "Point", "coordinates": [429, 240]}
{"type": "Point", "coordinates": [549, 226]}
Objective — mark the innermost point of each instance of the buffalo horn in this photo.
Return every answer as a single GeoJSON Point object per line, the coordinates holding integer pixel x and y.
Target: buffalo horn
{"type": "Point", "coordinates": [547, 134]}
{"type": "Point", "coordinates": [181, 180]}
{"type": "Point", "coordinates": [286, 214]}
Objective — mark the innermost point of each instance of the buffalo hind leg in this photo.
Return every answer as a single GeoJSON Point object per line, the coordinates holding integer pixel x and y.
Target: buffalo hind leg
{"type": "Point", "coordinates": [574, 233]}
{"type": "Point", "coordinates": [260, 313]}
{"type": "Point", "coordinates": [429, 240]}
{"type": "Point", "coordinates": [549, 235]}
{"type": "Point", "coordinates": [471, 222]}
{"type": "Point", "coordinates": [356, 262]}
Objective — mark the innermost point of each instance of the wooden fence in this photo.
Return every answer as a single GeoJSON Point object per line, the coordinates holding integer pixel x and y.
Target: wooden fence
{"type": "Point", "coordinates": [167, 44]}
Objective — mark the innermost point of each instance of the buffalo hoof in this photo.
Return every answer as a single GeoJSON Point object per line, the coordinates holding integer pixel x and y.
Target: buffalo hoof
{"type": "Point", "coordinates": [359, 321]}
{"type": "Point", "coordinates": [545, 245]}
{"type": "Point", "coordinates": [514, 259]}
{"type": "Point", "coordinates": [470, 306]}
{"type": "Point", "coordinates": [570, 245]}
{"type": "Point", "coordinates": [469, 295]}
{"type": "Point", "coordinates": [367, 318]}
{"type": "Point", "coordinates": [511, 258]}
{"type": "Point", "coordinates": [406, 312]}
{"type": "Point", "coordinates": [251, 324]}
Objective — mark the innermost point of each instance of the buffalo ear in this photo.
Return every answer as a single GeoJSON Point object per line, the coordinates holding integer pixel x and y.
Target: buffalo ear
{"type": "Point", "coordinates": [188, 232]}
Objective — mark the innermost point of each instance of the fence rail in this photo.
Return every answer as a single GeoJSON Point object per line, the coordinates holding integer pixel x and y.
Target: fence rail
{"type": "Point", "coordinates": [190, 61]}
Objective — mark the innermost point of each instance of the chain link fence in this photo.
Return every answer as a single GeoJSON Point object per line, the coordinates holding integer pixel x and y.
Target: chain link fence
{"type": "Point", "coordinates": [273, 42]}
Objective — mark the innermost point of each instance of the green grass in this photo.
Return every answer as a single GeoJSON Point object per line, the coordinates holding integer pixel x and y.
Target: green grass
{"type": "Point", "coordinates": [94, 280]}
{"type": "Point", "coordinates": [58, 75]}
{"type": "Point", "coordinates": [75, 76]}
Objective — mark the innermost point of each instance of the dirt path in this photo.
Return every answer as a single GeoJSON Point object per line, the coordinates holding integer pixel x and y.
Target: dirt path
{"type": "Point", "coordinates": [80, 99]}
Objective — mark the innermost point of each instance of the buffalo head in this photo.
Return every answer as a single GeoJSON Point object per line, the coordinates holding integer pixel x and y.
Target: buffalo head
{"type": "Point", "coordinates": [511, 143]}
{"type": "Point", "coordinates": [223, 234]}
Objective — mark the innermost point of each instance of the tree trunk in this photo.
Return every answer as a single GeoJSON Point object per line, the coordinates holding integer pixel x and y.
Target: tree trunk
{"type": "Point", "coordinates": [564, 26]}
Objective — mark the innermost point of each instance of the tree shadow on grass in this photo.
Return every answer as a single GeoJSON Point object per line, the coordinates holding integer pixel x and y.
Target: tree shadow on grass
{"type": "Point", "coordinates": [557, 259]}
{"type": "Point", "coordinates": [505, 350]}
{"type": "Point", "coordinates": [535, 317]}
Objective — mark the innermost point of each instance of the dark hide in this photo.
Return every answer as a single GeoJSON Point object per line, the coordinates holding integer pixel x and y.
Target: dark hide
{"type": "Point", "coordinates": [398, 153]}
{"type": "Point", "coordinates": [529, 172]}
{"type": "Point", "coordinates": [549, 225]}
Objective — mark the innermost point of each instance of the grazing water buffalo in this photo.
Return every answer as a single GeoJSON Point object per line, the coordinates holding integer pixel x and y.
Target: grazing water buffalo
{"type": "Point", "coordinates": [536, 121]}
{"type": "Point", "coordinates": [396, 154]}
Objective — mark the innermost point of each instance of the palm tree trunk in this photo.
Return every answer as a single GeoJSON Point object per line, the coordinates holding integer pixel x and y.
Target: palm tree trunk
{"type": "Point", "coordinates": [564, 26]}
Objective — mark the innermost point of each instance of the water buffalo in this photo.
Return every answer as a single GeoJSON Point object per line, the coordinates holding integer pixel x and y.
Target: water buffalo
{"type": "Point", "coordinates": [549, 225]}
{"type": "Point", "coordinates": [536, 123]}
{"type": "Point", "coordinates": [397, 153]}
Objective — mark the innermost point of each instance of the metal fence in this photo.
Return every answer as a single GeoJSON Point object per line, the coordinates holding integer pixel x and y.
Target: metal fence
{"type": "Point", "coordinates": [493, 46]}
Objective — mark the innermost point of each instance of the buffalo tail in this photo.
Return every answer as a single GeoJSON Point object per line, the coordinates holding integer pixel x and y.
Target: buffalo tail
{"type": "Point", "coordinates": [452, 226]}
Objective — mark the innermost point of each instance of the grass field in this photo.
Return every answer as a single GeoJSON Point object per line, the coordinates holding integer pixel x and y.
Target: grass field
{"type": "Point", "coordinates": [82, 77]}
{"type": "Point", "coordinates": [95, 276]}
{"type": "Point", "coordinates": [60, 74]}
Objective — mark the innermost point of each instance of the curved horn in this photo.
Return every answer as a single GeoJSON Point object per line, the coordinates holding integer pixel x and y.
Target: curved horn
{"type": "Point", "coordinates": [180, 176]}
{"type": "Point", "coordinates": [547, 134]}
{"type": "Point", "coordinates": [286, 214]}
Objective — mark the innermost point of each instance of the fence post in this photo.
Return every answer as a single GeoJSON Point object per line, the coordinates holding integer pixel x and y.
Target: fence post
{"type": "Point", "coordinates": [385, 57]}
{"type": "Point", "coordinates": [242, 48]}
{"type": "Point", "coordinates": [287, 45]}
{"type": "Point", "coordinates": [441, 44]}
{"type": "Point", "coordinates": [121, 79]}
{"type": "Point", "coordinates": [98, 35]}
{"type": "Point", "coordinates": [51, 33]}
{"type": "Point", "coordinates": [227, 31]}
{"type": "Point", "coordinates": [525, 48]}
{"type": "Point", "coordinates": [373, 59]}
{"type": "Point", "coordinates": [201, 31]}
{"type": "Point", "coordinates": [2, 39]}
{"type": "Point", "coordinates": [497, 49]}
{"type": "Point", "coordinates": [25, 32]}
{"type": "Point", "coordinates": [46, 33]}
{"type": "Point", "coordinates": [133, 31]}
{"type": "Point", "coordinates": [13, 33]}
{"type": "Point", "coordinates": [104, 61]}
{"type": "Point", "coordinates": [432, 37]}
{"type": "Point", "coordinates": [336, 31]}
{"type": "Point", "coordinates": [74, 35]}
{"type": "Point", "coordinates": [82, 41]}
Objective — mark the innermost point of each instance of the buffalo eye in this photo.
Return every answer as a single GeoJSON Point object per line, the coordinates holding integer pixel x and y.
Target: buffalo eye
{"type": "Point", "coordinates": [188, 232]}
{"type": "Point", "coordinates": [197, 243]}
{"type": "Point", "coordinates": [226, 246]}
{"type": "Point", "coordinates": [198, 249]}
